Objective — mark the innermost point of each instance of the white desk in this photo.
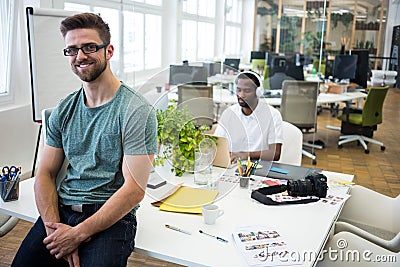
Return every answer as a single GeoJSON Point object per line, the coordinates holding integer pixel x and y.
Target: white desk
{"type": "Point", "coordinates": [306, 227]}
{"type": "Point", "coordinates": [224, 96]}
{"type": "Point", "coordinates": [25, 207]}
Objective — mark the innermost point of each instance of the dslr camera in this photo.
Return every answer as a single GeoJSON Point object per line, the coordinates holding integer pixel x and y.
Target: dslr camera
{"type": "Point", "coordinates": [312, 185]}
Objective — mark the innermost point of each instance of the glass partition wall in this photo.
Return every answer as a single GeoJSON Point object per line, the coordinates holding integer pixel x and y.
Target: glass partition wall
{"type": "Point", "coordinates": [320, 27]}
{"type": "Point", "coordinates": [312, 33]}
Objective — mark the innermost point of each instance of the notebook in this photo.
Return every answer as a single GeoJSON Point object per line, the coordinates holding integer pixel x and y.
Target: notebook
{"type": "Point", "coordinates": [222, 156]}
{"type": "Point", "coordinates": [188, 200]}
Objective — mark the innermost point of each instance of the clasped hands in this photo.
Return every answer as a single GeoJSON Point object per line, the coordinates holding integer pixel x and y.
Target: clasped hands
{"type": "Point", "coordinates": [62, 241]}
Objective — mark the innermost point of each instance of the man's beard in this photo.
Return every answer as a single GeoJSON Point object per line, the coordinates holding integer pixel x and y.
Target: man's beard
{"type": "Point", "coordinates": [91, 75]}
{"type": "Point", "coordinates": [244, 104]}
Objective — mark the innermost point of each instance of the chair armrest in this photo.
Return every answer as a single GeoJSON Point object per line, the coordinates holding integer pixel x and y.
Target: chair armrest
{"type": "Point", "coordinates": [371, 208]}
{"type": "Point", "coordinates": [392, 245]}
{"type": "Point", "coordinates": [348, 110]}
{"type": "Point", "coordinates": [346, 244]}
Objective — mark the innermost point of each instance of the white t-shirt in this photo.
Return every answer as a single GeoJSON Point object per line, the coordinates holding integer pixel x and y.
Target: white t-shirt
{"type": "Point", "coordinates": [251, 133]}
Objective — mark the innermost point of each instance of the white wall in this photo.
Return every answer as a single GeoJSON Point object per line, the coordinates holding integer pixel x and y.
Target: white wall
{"type": "Point", "coordinates": [18, 131]}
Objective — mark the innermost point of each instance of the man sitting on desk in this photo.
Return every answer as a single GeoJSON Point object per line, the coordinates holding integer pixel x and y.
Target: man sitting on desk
{"type": "Point", "coordinates": [108, 133]}
{"type": "Point", "coordinates": [252, 127]}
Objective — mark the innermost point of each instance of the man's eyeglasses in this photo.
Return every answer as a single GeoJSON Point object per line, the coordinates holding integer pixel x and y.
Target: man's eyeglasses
{"type": "Point", "coordinates": [87, 49]}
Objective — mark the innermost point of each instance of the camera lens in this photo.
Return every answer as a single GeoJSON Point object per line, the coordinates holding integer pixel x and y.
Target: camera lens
{"type": "Point", "coordinates": [311, 186]}
{"type": "Point", "coordinates": [300, 188]}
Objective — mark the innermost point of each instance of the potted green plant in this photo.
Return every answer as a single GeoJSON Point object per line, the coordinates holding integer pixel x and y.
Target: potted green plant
{"type": "Point", "coordinates": [178, 138]}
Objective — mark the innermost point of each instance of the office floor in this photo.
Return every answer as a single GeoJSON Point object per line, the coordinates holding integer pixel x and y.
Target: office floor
{"type": "Point", "coordinates": [378, 170]}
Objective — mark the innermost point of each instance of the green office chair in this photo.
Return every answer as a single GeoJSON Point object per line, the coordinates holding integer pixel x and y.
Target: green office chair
{"type": "Point", "coordinates": [359, 125]}
{"type": "Point", "coordinates": [266, 78]}
{"type": "Point", "coordinates": [257, 65]}
{"type": "Point", "coordinates": [323, 66]}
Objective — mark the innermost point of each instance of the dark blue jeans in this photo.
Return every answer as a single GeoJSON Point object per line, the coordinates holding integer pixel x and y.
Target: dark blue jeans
{"type": "Point", "coordinates": [112, 247]}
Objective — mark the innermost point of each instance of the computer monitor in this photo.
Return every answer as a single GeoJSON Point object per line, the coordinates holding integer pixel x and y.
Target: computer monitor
{"type": "Point", "coordinates": [231, 64]}
{"type": "Point", "coordinates": [344, 66]}
{"type": "Point", "coordinates": [185, 74]}
{"type": "Point", "coordinates": [278, 63]}
{"type": "Point", "coordinates": [328, 68]}
{"type": "Point", "coordinates": [269, 56]}
{"type": "Point", "coordinates": [257, 55]}
{"type": "Point", "coordinates": [286, 65]}
{"type": "Point", "coordinates": [300, 59]}
{"type": "Point", "coordinates": [295, 71]}
{"type": "Point", "coordinates": [213, 68]}
{"type": "Point", "coordinates": [362, 69]}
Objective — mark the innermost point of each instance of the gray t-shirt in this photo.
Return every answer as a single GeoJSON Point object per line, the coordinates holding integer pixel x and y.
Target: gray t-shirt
{"type": "Point", "coordinates": [94, 141]}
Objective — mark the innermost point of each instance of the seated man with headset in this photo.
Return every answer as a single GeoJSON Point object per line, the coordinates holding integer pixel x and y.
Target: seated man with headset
{"type": "Point", "coordinates": [252, 127]}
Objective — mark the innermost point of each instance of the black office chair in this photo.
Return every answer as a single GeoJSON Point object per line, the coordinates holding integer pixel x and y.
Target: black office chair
{"type": "Point", "coordinates": [360, 124]}
{"type": "Point", "coordinates": [278, 72]}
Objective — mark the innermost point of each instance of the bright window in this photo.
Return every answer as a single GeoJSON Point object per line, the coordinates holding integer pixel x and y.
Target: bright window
{"type": "Point", "coordinates": [152, 41]}
{"type": "Point", "coordinates": [205, 41]}
{"type": "Point", "coordinates": [232, 40]}
{"type": "Point", "coordinates": [6, 12]}
{"type": "Point", "coordinates": [198, 29]}
{"type": "Point", "coordinates": [233, 9]}
{"type": "Point", "coordinates": [130, 42]}
{"type": "Point", "coordinates": [135, 32]}
{"type": "Point", "coordinates": [190, 6]}
{"type": "Point", "coordinates": [151, 2]}
{"type": "Point", "coordinates": [206, 8]}
{"type": "Point", "coordinates": [76, 7]}
{"type": "Point", "coordinates": [111, 16]}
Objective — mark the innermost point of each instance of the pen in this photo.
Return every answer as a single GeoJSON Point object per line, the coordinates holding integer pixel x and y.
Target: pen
{"type": "Point", "coordinates": [177, 229]}
{"type": "Point", "coordinates": [217, 237]}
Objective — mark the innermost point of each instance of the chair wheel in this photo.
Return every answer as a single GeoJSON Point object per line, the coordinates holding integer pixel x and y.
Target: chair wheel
{"type": "Point", "coordinates": [340, 146]}
{"type": "Point", "coordinates": [314, 162]}
{"type": "Point", "coordinates": [383, 148]}
{"type": "Point", "coordinates": [366, 151]}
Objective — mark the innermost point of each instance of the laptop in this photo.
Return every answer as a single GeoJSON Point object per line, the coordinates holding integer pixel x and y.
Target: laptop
{"type": "Point", "coordinates": [222, 156]}
{"type": "Point", "coordinates": [285, 171]}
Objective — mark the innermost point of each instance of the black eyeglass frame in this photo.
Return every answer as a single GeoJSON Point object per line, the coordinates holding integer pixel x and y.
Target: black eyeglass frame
{"type": "Point", "coordinates": [98, 47]}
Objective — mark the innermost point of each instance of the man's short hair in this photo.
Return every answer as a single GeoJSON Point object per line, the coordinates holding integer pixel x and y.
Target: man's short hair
{"type": "Point", "coordinates": [86, 21]}
{"type": "Point", "coordinates": [249, 75]}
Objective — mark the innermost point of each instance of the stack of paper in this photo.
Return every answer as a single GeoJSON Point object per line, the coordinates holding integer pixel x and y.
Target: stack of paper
{"type": "Point", "coordinates": [263, 246]}
{"type": "Point", "coordinates": [188, 200]}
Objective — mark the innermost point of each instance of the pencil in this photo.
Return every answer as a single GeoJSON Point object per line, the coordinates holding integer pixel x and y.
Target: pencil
{"type": "Point", "coordinates": [254, 167]}
{"type": "Point", "coordinates": [239, 168]}
{"type": "Point", "coordinates": [248, 163]}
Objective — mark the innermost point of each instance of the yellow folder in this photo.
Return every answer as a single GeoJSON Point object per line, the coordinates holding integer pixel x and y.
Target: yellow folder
{"type": "Point", "coordinates": [188, 200]}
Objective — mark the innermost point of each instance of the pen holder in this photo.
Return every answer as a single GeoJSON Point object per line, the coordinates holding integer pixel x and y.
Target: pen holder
{"type": "Point", "coordinates": [244, 181]}
{"type": "Point", "coordinates": [9, 189]}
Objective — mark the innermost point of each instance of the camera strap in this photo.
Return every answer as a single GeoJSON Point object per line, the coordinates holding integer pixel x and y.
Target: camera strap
{"type": "Point", "coordinates": [261, 196]}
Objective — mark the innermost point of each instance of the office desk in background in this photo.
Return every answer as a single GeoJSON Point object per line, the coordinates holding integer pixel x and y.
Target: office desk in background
{"type": "Point", "coordinates": [226, 97]}
{"type": "Point", "coordinates": [305, 227]}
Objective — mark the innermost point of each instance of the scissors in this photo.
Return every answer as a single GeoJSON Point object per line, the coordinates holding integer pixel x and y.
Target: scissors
{"type": "Point", "coordinates": [8, 173]}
